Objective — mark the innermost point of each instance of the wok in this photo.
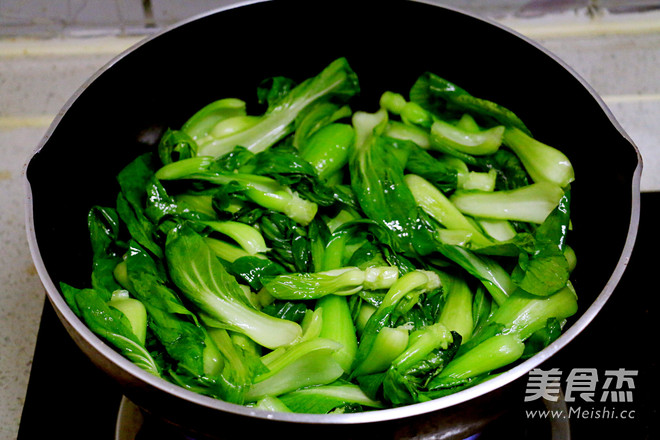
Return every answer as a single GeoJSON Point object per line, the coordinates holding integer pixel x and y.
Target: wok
{"type": "Point", "coordinates": [122, 110]}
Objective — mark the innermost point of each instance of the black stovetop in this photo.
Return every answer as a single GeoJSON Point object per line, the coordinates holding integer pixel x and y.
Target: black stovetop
{"type": "Point", "coordinates": [68, 397]}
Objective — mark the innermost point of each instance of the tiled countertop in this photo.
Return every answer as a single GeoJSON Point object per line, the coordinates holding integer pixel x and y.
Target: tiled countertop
{"type": "Point", "coordinates": [619, 57]}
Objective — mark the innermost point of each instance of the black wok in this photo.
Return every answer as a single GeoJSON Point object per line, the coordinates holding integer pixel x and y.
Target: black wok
{"type": "Point", "coordinates": [159, 83]}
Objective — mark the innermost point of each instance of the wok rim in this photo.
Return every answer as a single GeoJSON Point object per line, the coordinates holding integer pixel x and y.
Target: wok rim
{"type": "Point", "coordinates": [66, 314]}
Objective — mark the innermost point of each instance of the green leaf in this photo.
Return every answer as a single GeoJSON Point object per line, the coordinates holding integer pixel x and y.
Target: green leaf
{"type": "Point", "coordinates": [202, 122]}
{"type": "Point", "coordinates": [510, 171]}
{"type": "Point", "coordinates": [306, 285]}
{"type": "Point", "coordinates": [203, 280]}
{"type": "Point", "coordinates": [545, 270]}
{"type": "Point", "coordinates": [386, 314]}
{"type": "Point", "coordinates": [491, 354]}
{"type": "Point", "coordinates": [175, 327]}
{"type": "Point", "coordinates": [103, 225]}
{"type": "Point", "coordinates": [287, 167]}
{"type": "Point", "coordinates": [542, 338]}
{"type": "Point", "coordinates": [131, 201]}
{"type": "Point", "coordinates": [139, 227]}
{"type": "Point", "coordinates": [377, 179]}
{"type": "Point", "coordinates": [439, 173]}
{"type": "Point", "coordinates": [288, 242]}
{"type": "Point", "coordinates": [237, 159]}
{"type": "Point", "coordinates": [315, 117]}
{"type": "Point", "coordinates": [273, 90]}
{"type": "Point", "coordinates": [337, 81]}
{"type": "Point", "coordinates": [69, 293]}
{"type": "Point", "coordinates": [113, 326]}
{"type": "Point", "coordinates": [175, 145]}
{"type": "Point", "coordinates": [255, 270]}
{"type": "Point", "coordinates": [323, 399]}
{"type": "Point", "coordinates": [438, 95]}
{"type": "Point", "coordinates": [159, 205]}
{"type": "Point", "coordinates": [290, 310]}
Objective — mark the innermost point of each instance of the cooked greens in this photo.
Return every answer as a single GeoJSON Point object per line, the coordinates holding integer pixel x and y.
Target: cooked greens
{"type": "Point", "coordinates": [314, 257]}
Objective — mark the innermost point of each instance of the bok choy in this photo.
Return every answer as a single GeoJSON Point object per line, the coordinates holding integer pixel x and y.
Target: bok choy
{"type": "Point", "coordinates": [313, 256]}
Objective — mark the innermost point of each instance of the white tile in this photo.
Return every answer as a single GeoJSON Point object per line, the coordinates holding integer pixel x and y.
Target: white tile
{"type": "Point", "coordinates": [640, 119]}
{"type": "Point", "coordinates": [613, 64]}
{"type": "Point", "coordinates": [42, 85]}
{"type": "Point", "coordinates": [502, 8]}
{"type": "Point", "coordinates": [54, 18]}
{"type": "Point", "coordinates": [22, 295]}
{"type": "Point", "coordinates": [166, 12]}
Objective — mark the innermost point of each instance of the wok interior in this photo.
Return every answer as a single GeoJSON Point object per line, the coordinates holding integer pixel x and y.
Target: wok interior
{"type": "Point", "coordinates": [164, 81]}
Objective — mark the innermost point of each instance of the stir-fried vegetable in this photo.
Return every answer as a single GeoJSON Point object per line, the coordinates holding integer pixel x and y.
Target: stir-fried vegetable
{"type": "Point", "coordinates": [316, 258]}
